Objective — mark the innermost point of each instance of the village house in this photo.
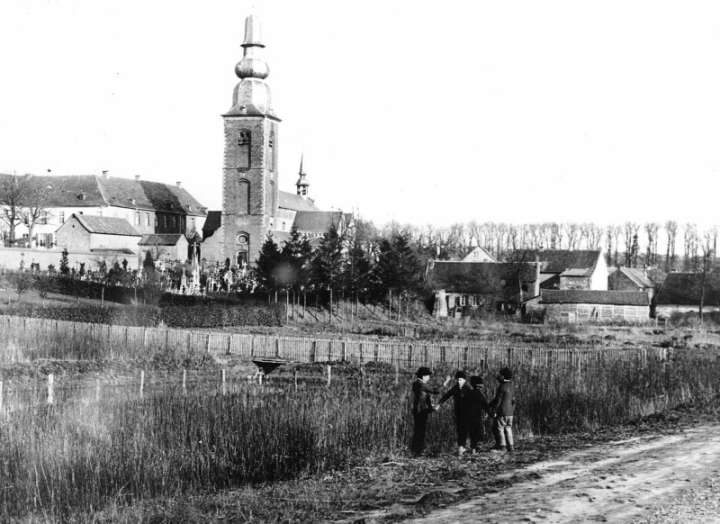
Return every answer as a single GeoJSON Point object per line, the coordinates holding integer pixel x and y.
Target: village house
{"type": "Point", "coordinates": [580, 305]}
{"type": "Point", "coordinates": [478, 254]}
{"type": "Point", "coordinates": [631, 279]}
{"type": "Point", "coordinates": [103, 239]}
{"type": "Point", "coordinates": [149, 207]}
{"type": "Point", "coordinates": [165, 248]}
{"type": "Point", "coordinates": [683, 292]}
{"type": "Point", "coordinates": [466, 287]}
{"type": "Point", "coordinates": [567, 269]}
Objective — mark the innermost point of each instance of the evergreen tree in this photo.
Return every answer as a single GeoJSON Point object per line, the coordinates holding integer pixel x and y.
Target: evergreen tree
{"type": "Point", "coordinates": [64, 264]}
{"type": "Point", "coordinates": [267, 264]}
{"type": "Point", "coordinates": [358, 271]}
{"type": "Point", "coordinates": [328, 264]}
{"type": "Point", "coordinates": [295, 257]}
{"type": "Point", "coordinates": [148, 263]}
{"type": "Point", "coordinates": [398, 267]}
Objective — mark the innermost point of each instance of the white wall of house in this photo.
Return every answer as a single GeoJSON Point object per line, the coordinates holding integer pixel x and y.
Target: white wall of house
{"type": "Point", "coordinates": [599, 278]}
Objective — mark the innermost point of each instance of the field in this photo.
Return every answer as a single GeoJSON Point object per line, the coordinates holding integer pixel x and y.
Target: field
{"type": "Point", "coordinates": [128, 429]}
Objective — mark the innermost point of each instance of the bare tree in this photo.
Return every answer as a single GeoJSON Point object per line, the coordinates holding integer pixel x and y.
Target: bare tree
{"type": "Point", "coordinates": [630, 231]}
{"type": "Point", "coordinates": [671, 228]}
{"type": "Point", "coordinates": [22, 200]}
{"type": "Point", "coordinates": [690, 245]}
{"type": "Point", "coordinates": [572, 234]}
{"type": "Point", "coordinates": [651, 229]}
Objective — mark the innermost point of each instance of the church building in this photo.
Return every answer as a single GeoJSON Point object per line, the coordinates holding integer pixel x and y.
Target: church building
{"type": "Point", "coordinates": [253, 206]}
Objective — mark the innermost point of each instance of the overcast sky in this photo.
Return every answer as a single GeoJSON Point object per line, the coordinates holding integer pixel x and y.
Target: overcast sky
{"type": "Point", "coordinates": [416, 111]}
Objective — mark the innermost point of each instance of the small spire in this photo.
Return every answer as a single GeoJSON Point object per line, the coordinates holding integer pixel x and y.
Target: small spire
{"type": "Point", "coordinates": [251, 65]}
{"type": "Point", "coordinates": [302, 184]}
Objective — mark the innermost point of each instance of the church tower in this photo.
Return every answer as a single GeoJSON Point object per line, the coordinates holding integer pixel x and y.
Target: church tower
{"type": "Point", "coordinates": [250, 178]}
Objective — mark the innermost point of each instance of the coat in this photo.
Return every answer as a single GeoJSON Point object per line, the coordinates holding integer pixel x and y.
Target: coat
{"type": "Point", "coordinates": [461, 399]}
{"type": "Point", "coordinates": [504, 402]}
{"type": "Point", "coordinates": [422, 401]}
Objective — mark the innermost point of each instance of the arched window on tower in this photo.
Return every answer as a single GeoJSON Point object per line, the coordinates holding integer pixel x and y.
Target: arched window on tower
{"type": "Point", "coordinates": [242, 248]}
{"type": "Point", "coordinates": [271, 151]}
{"type": "Point", "coordinates": [243, 158]}
{"type": "Point", "coordinates": [243, 197]}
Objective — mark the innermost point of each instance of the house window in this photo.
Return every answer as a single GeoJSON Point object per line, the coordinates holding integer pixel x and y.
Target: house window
{"type": "Point", "coordinates": [147, 219]}
{"type": "Point", "coordinates": [243, 158]}
{"type": "Point", "coordinates": [156, 221]}
{"type": "Point", "coordinates": [271, 151]}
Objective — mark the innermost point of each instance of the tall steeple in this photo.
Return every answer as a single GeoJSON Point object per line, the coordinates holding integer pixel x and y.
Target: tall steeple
{"type": "Point", "coordinates": [302, 184]}
{"type": "Point", "coordinates": [252, 94]}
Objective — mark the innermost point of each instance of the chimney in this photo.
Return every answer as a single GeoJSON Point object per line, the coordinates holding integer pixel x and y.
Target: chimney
{"type": "Point", "coordinates": [179, 184]}
{"type": "Point", "coordinates": [137, 177]}
{"type": "Point", "coordinates": [105, 174]}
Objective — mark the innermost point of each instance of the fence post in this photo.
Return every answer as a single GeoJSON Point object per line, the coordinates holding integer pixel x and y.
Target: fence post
{"type": "Point", "coordinates": [51, 388]}
{"type": "Point", "coordinates": [361, 353]}
{"type": "Point", "coordinates": [187, 342]}
{"type": "Point", "coordinates": [344, 351]}
{"type": "Point", "coordinates": [144, 337]}
{"type": "Point", "coordinates": [410, 355]}
{"type": "Point", "coordinates": [207, 343]}
{"type": "Point", "coordinates": [1, 395]}
{"type": "Point", "coordinates": [167, 344]}
{"type": "Point", "coordinates": [142, 383]}
{"type": "Point", "coordinates": [397, 372]}
{"type": "Point", "coordinates": [224, 387]}
{"type": "Point", "coordinates": [97, 390]}
{"type": "Point", "coordinates": [295, 376]}
{"type": "Point", "coordinates": [184, 382]}
{"type": "Point", "coordinates": [329, 375]}
{"type": "Point", "coordinates": [277, 347]}
{"type": "Point", "coordinates": [313, 351]}
{"type": "Point", "coordinates": [229, 344]}
{"type": "Point", "coordinates": [377, 351]}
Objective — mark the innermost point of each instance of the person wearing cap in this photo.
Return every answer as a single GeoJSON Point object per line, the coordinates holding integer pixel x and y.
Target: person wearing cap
{"type": "Point", "coordinates": [460, 393]}
{"type": "Point", "coordinates": [421, 408]}
{"type": "Point", "coordinates": [478, 407]}
{"type": "Point", "coordinates": [503, 406]}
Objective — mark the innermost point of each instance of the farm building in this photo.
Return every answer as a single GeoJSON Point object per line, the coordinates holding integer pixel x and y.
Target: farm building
{"type": "Point", "coordinates": [463, 287]}
{"type": "Point", "coordinates": [575, 305]}
{"type": "Point", "coordinates": [479, 254]}
{"type": "Point", "coordinates": [166, 248]}
{"type": "Point", "coordinates": [683, 292]}
{"type": "Point", "coordinates": [568, 269]}
{"type": "Point", "coordinates": [631, 279]}
{"type": "Point", "coordinates": [106, 239]}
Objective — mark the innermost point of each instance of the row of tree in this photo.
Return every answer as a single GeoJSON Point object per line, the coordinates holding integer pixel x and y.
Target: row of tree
{"type": "Point", "coordinates": [363, 265]}
{"type": "Point", "coordinates": [670, 246]}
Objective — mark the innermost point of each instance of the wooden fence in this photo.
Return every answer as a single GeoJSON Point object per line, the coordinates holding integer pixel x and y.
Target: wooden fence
{"type": "Point", "coordinates": [129, 341]}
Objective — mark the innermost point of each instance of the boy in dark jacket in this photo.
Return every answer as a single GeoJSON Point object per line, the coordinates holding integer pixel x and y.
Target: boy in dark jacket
{"type": "Point", "coordinates": [503, 406]}
{"type": "Point", "coordinates": [460, 394]}
{"type": "Point", "coordinates": [478, 409]}
{"type": "Point", "coordinates": [421, 408]}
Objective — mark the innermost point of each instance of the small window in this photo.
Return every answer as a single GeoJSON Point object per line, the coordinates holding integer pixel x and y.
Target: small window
{"type": "Point", "coordinates": [243, 154]}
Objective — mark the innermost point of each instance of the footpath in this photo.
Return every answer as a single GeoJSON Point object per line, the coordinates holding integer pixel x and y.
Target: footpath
{"type": "Point", "coordinates": [653, 478]}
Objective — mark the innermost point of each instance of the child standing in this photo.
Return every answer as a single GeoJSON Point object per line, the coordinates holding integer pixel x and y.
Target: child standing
{"type": "Point", "coordinates": [460, 394]}
{"type": "Point", "coordinates": [421, 409]}
{"type": "Point", "coordinates": [503, 406]}
{"type": "Point", "coordinates": [478, 408]}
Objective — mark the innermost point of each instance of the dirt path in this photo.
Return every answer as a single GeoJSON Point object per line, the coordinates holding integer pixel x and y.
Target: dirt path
{"type": "Point", "coordinates": [644, 479]}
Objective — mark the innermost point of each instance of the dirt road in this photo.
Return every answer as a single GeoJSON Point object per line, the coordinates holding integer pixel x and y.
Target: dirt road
{"type": "Point", "coordinates": [673, 478]}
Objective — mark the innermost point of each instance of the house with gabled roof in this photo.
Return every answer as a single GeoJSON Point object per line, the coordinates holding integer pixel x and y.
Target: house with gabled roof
{"type": "Point", "coordinates": [631, 279]}
{"type": "Point", "coordinates": [150, 207]}
{"type": "Point", "coordinates": [568, 269]}
{"type": "Point", "coordinates": [588, 305]}
{"type": "Point", "coordinates": [107, 239]}
{"type": "Point", "coordinates": [463, 287]}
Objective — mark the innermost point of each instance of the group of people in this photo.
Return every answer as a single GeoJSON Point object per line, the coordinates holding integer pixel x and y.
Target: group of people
{"type": "Point", "coordinates": [471, 407]}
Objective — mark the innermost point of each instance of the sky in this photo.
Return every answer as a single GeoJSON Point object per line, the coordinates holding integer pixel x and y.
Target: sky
{"type": "Point", "coordinates": [407, 110]}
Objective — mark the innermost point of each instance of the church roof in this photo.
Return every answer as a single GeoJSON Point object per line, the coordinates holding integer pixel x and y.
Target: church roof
{"type": "Point", "coordinates": [96, 191]}
{"type": "Point", "coordinates": [106, 225]}
{"type": "Point", "coordinates": [296, 202]}
{"type": "Point", "coordinates": [317, 221]}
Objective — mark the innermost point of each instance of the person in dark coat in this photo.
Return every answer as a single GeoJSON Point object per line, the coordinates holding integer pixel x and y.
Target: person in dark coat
{"type": "Point", "coordinates": [478, 409]}
{"type": "Point", "coordinates": [460, 394]}
{"type": "Point", "coordinates": [421, 408]}
{"type": "Point", "coordinates": [503, 406]}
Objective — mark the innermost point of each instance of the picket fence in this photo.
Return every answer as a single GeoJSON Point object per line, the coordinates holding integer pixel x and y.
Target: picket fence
{"type": "Point", "coordinates": [128, 341]}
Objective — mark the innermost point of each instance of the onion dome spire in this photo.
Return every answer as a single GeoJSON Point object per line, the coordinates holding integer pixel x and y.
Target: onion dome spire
{"type": "Point", "coordinates": [302, 184]}
{"type": "Point", "coordinates": [252, 94]}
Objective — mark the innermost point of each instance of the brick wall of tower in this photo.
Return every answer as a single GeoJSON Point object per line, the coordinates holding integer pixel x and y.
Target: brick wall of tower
{"type": "Point", "coordinates": [249, 191]}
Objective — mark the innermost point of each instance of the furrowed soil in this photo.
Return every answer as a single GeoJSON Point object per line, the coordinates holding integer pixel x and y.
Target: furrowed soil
{"type": "Point", "coordinates": [664, 468]}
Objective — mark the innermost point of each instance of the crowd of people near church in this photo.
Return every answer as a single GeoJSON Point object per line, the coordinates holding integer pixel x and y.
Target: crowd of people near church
{"type": "Point", "coordinates": [471, 408]}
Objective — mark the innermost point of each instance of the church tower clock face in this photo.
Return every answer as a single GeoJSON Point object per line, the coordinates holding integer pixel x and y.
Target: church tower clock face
{"type": "Point", "coordinates": [250, 188]}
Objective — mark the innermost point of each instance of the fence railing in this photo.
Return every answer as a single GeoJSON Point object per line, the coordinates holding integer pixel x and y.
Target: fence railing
{"type": "Point", "coordinates": [30, 335]}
